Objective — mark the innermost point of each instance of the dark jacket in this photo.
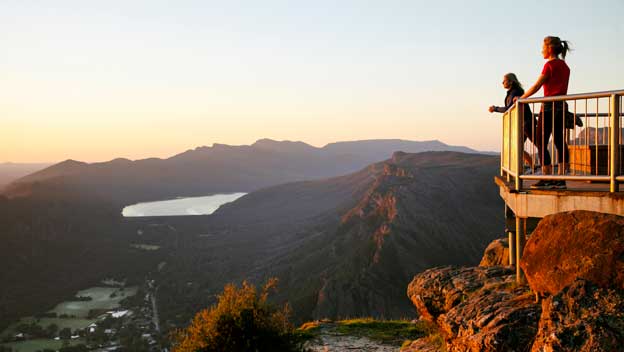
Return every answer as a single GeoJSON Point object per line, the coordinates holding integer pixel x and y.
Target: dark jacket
{"type": "Point", "coordinates": [511, 94]}
{"type": "Point", "coordinates": [509, 102]}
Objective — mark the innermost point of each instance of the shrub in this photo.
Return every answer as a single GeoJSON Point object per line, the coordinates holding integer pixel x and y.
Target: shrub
{"type": "Point", "coordinates": [241, 320]}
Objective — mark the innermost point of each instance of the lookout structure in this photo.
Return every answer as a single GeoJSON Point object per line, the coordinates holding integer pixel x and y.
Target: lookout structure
{"type": "Point", "coordinates": [586, 173]}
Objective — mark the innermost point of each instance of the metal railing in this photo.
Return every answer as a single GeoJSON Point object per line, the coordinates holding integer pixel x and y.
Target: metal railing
{"type": "Point", "coordinates": [539, 146]}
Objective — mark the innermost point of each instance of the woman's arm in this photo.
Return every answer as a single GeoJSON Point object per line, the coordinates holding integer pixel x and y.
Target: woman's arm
{"type": "Point", "coordinates": [540, 81]}
{"type": "Point", "coordinates": [497, 109]}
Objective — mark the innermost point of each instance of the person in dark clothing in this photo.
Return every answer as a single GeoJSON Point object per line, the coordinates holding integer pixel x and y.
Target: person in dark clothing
{"type": "Point", "coordinates": [515, 90]}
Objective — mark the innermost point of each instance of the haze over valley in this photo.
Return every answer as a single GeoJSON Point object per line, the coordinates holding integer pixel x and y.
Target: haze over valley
{"type": "Point", "coordinates": [342, 231]}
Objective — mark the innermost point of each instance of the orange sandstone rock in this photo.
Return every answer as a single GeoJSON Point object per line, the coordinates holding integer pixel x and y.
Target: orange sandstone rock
{"type": "Point", "coordinates": [577, 244]}
{"type": "Point", "coordinates": [496, 253]}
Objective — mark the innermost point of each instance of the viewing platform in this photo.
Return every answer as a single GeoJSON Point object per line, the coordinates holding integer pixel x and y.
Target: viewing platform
{"type": "Point", "coordinates": [579, 195]}
{"type": "Point", "coordinates": [586, 161]}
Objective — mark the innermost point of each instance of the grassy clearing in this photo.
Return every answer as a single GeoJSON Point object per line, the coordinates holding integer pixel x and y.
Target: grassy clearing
{"type": "Point", "coordinates": [40, 344]}
{"type": "Point", "coordinates": [386, 331]}
{"type": "Point", "coordinates": [103, 298]}
{"type": "Point", "coordinates": [72, 323]}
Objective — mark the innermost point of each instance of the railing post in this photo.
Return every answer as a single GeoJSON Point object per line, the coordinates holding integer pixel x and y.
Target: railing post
{"type": "Point", "coordinates": [519, 145]}
{"type": "Point", "coordinates": [502, 147]}
{"type": "Point", "coordinates": [615, 142]}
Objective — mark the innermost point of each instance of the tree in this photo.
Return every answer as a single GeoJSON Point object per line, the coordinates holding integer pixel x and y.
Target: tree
{"type": "Point", "coordinates": [77, 348]}
{"type": "Point", "coordinates": [242, 320]}
{"type": "Point", "coordinates": [65, 333]}
{"type": "Point", "coordinates": [51, 330]}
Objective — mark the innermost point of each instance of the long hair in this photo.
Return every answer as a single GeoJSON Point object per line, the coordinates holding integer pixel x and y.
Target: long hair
{"type": "Point", "coordinates": [515, 83]}
{"type": "Point", "coordinates": [559, 47]}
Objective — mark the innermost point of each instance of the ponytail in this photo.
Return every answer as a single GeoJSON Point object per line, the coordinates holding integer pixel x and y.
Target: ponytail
{"type": "Point", "coordinates": [559, 47]}
{"type": "Point", "coordinates": [565, 48]}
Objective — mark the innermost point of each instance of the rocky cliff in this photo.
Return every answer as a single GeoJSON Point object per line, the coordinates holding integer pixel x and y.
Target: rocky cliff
{"type": "Point", "coordinates": [573, 261]}
{"type": "Point", "coordinates": [345, 246]}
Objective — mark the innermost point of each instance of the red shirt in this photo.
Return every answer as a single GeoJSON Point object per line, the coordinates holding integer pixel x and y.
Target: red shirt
{"type": "Point", "coordinates": [557, 75]}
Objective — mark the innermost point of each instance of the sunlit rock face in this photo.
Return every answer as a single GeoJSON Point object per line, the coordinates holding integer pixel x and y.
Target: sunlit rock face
{"type": "Point", "coordinates": [477, 308]}
{"type": "Point", "coordinates": [496, 253]}
{"type": "Point", "coordinates": [571, 245]}
{"type": "Point", "coordinates": [582, 317]}
{"type": "Point", "coordinates": [573, 261]}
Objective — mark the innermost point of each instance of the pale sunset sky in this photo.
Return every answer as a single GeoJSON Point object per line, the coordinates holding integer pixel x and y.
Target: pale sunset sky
{"type": "Point", "coordinates": [96, 80]}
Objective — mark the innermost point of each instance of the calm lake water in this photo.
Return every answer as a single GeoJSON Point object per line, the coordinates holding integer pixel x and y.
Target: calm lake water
{"type": "Point", "coordinates": [182, 206]}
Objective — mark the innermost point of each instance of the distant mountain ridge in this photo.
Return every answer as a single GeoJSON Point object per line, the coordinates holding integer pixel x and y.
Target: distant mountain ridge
{"type": "Point", "coordinates": [217, 169]}
{"type": "Point", "coordinates": [10, 172]}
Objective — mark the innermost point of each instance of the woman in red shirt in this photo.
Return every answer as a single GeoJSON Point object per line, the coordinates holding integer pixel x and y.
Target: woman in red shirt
{"type": "Point", "coordinates": [554, 78]}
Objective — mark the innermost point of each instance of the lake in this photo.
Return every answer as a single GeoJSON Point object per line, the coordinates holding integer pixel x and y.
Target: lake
{"type": "Point", "coordinates": [181, 206]}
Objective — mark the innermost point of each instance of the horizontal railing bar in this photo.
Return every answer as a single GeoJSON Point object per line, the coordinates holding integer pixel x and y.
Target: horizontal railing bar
{"type": "Point", "coordinates": [589, 114]}
{"type": "Point", "coordinates": [580, 114]}
{"type": "Point", "coordinates": [511, 173]}
{"type": "Point", "coordinates": [572, 96]}
{"type": "Point", "coordinates": [619, 178]}
{"type": "Point", "coordinates": [565, 177]}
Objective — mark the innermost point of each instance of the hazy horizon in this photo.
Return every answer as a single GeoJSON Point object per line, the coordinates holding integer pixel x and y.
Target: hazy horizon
{"type": "Point", "coordinates": [147, 79]}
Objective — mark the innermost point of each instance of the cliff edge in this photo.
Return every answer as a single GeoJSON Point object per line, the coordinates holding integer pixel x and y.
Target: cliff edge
{"type": "Point", "coordinates": [573, 261]}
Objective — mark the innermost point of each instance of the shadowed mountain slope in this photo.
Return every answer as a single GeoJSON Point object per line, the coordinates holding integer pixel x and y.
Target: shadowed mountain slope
{"type": "Point", "coordinates": [345, 246]}
{"type": "Point", "coordinates": [341, 246]}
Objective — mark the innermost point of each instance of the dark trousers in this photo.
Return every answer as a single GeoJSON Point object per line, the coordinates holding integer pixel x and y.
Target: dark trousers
{"type": "Point", "coordinates": [530, 124]}
{"type": "Point", "coordinates": [552, 122]}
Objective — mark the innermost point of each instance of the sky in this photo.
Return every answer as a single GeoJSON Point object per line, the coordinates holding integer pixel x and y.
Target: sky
{"type": "Point", "coordinates": [97, 80]}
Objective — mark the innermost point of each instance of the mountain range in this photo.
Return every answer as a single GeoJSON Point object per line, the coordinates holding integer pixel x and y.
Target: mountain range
{"type": "Point", "coordinates": [341, 245]}
{"type": "Point", "coordinates": [210, 170]}
{"type": "Point", "coordinates": [10, 172]}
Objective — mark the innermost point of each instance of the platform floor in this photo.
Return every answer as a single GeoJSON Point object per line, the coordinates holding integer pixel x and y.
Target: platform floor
{"type": "Point", "coordinates": [579, 195]}
{"type": "Point", "coordinates": [575, 186]}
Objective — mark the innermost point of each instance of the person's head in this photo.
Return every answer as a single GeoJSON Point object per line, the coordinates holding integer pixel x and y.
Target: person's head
{"type": "Point", "coordinates": [553, 47]}
{"type": "Point", "coordinates": [511, 81]}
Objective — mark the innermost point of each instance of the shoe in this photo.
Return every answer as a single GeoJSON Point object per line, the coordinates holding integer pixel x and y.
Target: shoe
{"type": "Point", "coordinates": [559, 185]}
{"type": "Point", "coordinates": [542, 184]}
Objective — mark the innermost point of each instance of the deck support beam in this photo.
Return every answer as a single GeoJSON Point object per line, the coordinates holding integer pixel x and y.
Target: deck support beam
{"type": "Point", "coordinates": [519, 248]}
{"type": "Point", "coordinates": [510, 226]}
{"type": "Point", "coordinates": [512, 248]}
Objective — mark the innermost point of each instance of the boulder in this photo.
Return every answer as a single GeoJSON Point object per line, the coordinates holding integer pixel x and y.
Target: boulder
{"type": "Point", "coordinates": [496, 253]}
{"type": "Point", "coordinates": [476, 309]}
{"type": "Point", "coordinates": [425, 344]}
{"type": "Point", "coordinates": [571, 245]}
{"type": "Point", "coordinates": [582, 317]}
{"type": "Point", "coordinates": [436, 291]}
{"type": "Point", "coordinates": [504, 318]}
